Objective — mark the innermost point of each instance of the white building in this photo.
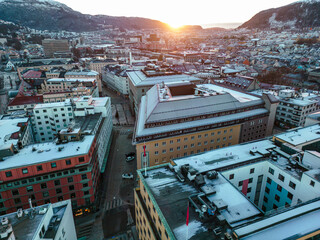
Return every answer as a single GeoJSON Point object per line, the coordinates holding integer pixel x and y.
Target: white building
{"type": "Point", "coordinates": [49, 221]}
{"type": "Point", "coordinates": [293, 109]}
{"type": "Point", "coordinates": [50, 118]}
{"type": "Point", "coordinates": [116, 77]}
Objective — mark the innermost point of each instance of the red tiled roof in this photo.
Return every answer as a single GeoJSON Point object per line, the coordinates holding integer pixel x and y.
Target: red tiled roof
{"type": "Point", "coordinates": [32, 74]}
{"type": "Point", "coordinates": [22, 100]}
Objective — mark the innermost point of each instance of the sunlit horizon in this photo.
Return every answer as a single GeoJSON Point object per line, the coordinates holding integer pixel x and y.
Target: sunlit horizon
{"type": "Point", "coordinates": [179, 13]}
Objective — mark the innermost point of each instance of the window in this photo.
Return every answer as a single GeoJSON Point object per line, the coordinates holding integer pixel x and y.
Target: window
{"type": "Point", "coordinates": [290, 196]}
{"type": "Point", "coordinates": [267, 190]}
{"type": "Point", "coordinates": [281, 177]}
{"type": "Point", "coordinates": [192, 144]}
{"type": "Point", "coordinates": [9, 174]}
{"type": "Point", "coordinates": [81, 159]}
{"type": "Point", "coordinates": [85, 185]}
{"type": "Point", "coordinates": [58, 190]}
{"type": "Point", "coordinates": [199, 136]}
{"type": "Point", "coordinates": [17, 200]}
{"type": "Point", "coordinates": [275, 206]}
{"type": "Point", "coordinates": [178, 140]}
{"type": "Point", "coordinates": [171, 149]}
{"type": "Point", "coordinates": [164, 151]}
{"type": "Point", "coordinates": [192, 138]}
{"type": "Point", "coordinates": [29, 189]}
{"type": "Point", "coordinates": [265, 199]}
{"type": "Point", "coordinates": [15, 192]}
{"type": "Point", "coordinates": [277, 198]}
{"type": "Point", "coordinates": [71, 187]}
{"type": "Point", "coordinates": [251, 170]}
{"type": "Point", "coordinates": [156, 152]}
{"type": "Point", "coordinates": [164, 143]}
{"type": "Point", "coordinates": [250, 180]}
{"type": "Point", "coordinates": [312, 183]}
{"type": "Point", "coordinates": [178, 148]}
{"type": "Point", "coordinates": [72, 195]}
{"type": "Point", "coordinates": [84, 176]}
{"type": "Point", "coordinates": [292, 185]}
{"type": "Point", "coordinates": [271, 170]}
{"type": "Point", "coordinates": [57, 182]}
{"type": "Point", "coordinates": [39, 168]}
{"type": "Point", "coordinates": [249, 190]}
{"type": "Point", "coordinates": [279, 188]}
{"type": "Point", "coordinates": [185, 146]}
{"type": "Point", "coordinates": [86, 192]}
{"type": "Point", "coordinates": [199, 143]}
{"type": "Point", "coordinates": [53, 165]}
{"type": "Point", "coordinates": [240, 183]}
{"type": "Point", "coordinates": [68, 162]}
{"type": "Point", "coordinates": [185, 139]}
{"type": "Point", "coordinates": [43, 185]}
{"type": "Point", "coordinates": [156, 144]}
{"type": "Point", "coordinates": [24, 170]}
{"type": "Point", "coordinates": [269, 180]}
{"type": "Point", "coordinates": [231, 176]}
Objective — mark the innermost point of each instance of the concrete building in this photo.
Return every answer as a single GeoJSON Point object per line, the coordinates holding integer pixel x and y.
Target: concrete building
{"type": "Point", "coordinates": [116, 78]}
{"type": "Point", "coordinates": [293, 109]}
{"type": "Point", "coordinates": [249, 191]}
{"type": "Point", "coordinates": [50, 118]}
{"type": "Point", "coordinates": [312, 119]}
{"type": "Point", "coordinates": [52, 46]}
{"type": "Point", "coordinates": [141, 81]}
{"type": "Point", "coordinates": [181, 119]}
{"type": "Point", "coordinates": [48, 221]}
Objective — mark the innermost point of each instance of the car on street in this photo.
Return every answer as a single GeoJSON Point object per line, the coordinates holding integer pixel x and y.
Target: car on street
{"type": "Point", "coordinates": [127, 176]}
{"type": "Point", "coordinates": [129, 158]}
{"type": "Point", "coordinates": [131, 154]}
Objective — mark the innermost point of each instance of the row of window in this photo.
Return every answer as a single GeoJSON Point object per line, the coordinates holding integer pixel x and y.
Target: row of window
{"type": "Point", "coordinates": [55, 110]}
{"type": "Point", "coordinates": [282, 178]}
{"type": "Point", "coordinates": [164, 151]}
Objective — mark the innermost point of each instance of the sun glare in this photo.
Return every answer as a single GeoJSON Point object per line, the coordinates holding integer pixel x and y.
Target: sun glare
{"type": "Point", "coordinates": [175, 25]}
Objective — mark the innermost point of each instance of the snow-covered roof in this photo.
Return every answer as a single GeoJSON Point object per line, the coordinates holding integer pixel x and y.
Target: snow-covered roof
{"type": "Point", "coordinates": [299, 136]}
{"type": "Point", "coordinates": [71, 80]}
{"type": "Point", "coordinates": [45, 152]}
{"type": "Point", "coordinates": [7, 128]}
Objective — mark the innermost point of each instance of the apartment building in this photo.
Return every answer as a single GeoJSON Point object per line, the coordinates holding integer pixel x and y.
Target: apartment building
{"type": "Point", "coordinates": [98, 65]}
{"type": "Point", "coordinates": [116, 78]}
{"type": "Point", "coordinates": [48, 221]}
{"type": "Point", "coordinates": [50, 118]}
{"type": "Point", "coordinates": [248, 191]}
{"type": "Point", "coordinates": [60, 89]}
{"type": "Point", "coordinates": [143, 80]}
{"type": "Point", "coordinates": [67, 168]}
{"type": "Point", "coordinates": [293, 109]}
{"type": "Point", "coordinates": [181, 119]}
{"type": "Point", "coordinates": [24, 103]}
{"type": "Point", "coordinates": [85, 75]}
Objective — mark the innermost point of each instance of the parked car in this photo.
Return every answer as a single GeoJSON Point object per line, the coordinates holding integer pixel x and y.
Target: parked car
{"type": "Point", "coordinates": [131, 154]}
{"type": "Point", "coordinates": [127, 176]}
{"type": "Point", "coordinates": [129, 158]}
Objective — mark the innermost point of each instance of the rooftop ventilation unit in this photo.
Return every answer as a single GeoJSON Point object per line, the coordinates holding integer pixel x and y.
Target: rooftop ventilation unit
{"type": "Point", "coordinates": [212, 175]}
{"type": "Point", "coordinates": [4, 221]}
{"type": "Point", "coordinates": [19, 213]}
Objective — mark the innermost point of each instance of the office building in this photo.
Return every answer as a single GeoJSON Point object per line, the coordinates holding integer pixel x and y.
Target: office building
{"type": "Point", "coordinates": [48, 221]}
{"type": "Point", "coordinates": [116, 78]}
{"type": "Point", "coordinates": [85, 74]}
{"type": "Point", "coordinates": [181, 119]}
{"type": "Point", "coordinates": [52, 46]}
{"type": "Point", "coordinates": [256, 190]}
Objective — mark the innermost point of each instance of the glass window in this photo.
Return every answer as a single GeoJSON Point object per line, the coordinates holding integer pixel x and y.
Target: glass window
{"type": "Point", "coordinates": [39, 168]}
{"type": "Point", "coordinates": [54, 165]}
{"type": "Point", "coordinates": [24, 170]}
{"type": "Point", "coordinates": [68, 161]}
{"type": "Point", "coordinates": [9, 174]}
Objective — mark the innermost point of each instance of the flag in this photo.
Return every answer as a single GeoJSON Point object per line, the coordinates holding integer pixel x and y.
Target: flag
{"type": "Point", "coordinates": [187, 220]}
{"type": "Point", "coordinates": [144, 149]}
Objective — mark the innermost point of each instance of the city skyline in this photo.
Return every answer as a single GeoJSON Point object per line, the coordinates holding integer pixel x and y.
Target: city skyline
{"type": "Point", "coordinates": [188, 13]}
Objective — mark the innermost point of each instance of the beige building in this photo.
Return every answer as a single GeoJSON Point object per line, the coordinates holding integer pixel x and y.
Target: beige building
{"type": "Point", "coordinates": [85, 74]}
{"type": "Point", "coordinates": [98, 65]}
{"type": "Point", "coordinates": [181, 119]}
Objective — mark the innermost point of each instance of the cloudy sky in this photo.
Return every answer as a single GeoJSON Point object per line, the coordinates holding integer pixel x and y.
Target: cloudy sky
{"type": "Point", "coordinates": [178, 12]}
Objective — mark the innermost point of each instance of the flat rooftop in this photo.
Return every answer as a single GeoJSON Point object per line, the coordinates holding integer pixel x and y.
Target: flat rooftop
{"type": "Point", "coordinates": [71, 80]}
{"type": "Point", "coordinates": [46, 152]}
{"type": "Point", "coordinates": [7, 128]}
{"type": "Point", "coordinates": [300, 136]}
{"type": "Point", "coordinates": [138, 78]}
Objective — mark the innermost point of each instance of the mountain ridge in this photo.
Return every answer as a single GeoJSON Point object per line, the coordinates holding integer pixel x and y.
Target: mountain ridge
{"type": "Point", "coordinates": [295, 15]}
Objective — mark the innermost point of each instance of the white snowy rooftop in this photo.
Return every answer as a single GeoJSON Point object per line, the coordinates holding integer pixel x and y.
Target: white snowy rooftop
{"type": "Point", "coordinates": [299, 136]}
{"type": "Point", "coordinates": [7, 128]}
{"type": "Point", "coordinates": [71, 80]}
{"type": "Point", "coordinates": [88, 73]}
{"type": "Point", "coordinates": [226, 156]}
{"type": "Point", "coordinates": [291, 224]}
{"type": "Point", "coordinates": [66, 103]}
{"type": "Point", "coordinates": [45, 152]}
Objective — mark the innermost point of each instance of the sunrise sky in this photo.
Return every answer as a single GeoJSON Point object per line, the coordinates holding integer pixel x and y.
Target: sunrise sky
{"type": "Point", "coordinates": [178, 12]}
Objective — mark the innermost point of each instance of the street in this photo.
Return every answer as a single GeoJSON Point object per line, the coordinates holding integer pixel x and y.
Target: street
{"type": "Point", "coordinates": [117, 200]}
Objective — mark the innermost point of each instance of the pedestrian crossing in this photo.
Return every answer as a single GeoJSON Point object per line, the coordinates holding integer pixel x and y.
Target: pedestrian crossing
{"type": "Point", "coordinates": [115, 203]}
